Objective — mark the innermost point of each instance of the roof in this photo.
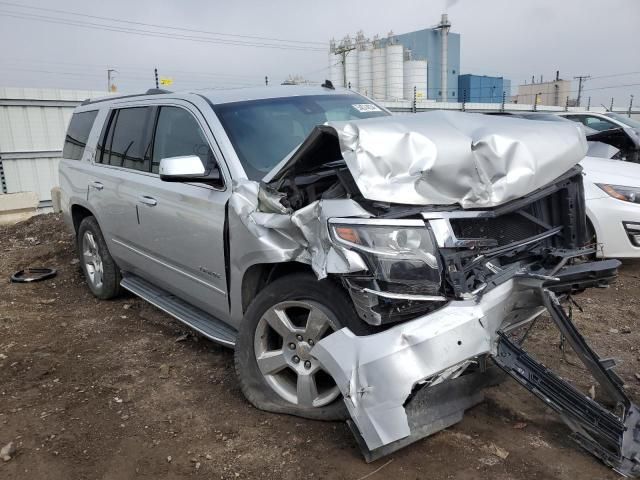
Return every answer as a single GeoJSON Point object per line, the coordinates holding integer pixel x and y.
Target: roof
{"type": "Point", "coordinates": [219, 96]}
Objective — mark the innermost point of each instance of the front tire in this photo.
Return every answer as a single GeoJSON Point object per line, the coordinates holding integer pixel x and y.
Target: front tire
{"type": "Point", "coordinates": [283, 323]}
{"type": "Point", "coordinates": [100, 270]}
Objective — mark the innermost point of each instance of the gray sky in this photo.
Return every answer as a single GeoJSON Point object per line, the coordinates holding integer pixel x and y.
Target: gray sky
{"type": "Point", "coordinates": [516, 39]}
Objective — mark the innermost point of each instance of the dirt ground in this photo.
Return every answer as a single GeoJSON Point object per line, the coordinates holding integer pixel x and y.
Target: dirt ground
{"type": "Point", "coordinates": [116, 390]}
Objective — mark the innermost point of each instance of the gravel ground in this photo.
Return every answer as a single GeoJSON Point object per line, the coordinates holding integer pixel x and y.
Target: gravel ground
{"type": "Point", "coordinates": [113, 390]}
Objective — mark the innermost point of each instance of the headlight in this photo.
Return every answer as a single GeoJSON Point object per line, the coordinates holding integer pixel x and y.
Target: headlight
{"type": "Point", "coordinates": [626, 194]}
{"type": "Point", "coordinates": [402, 259]}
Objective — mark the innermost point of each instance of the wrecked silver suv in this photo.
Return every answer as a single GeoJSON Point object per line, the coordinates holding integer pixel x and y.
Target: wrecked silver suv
{"type": "Point", "coordinates": [353, 258]}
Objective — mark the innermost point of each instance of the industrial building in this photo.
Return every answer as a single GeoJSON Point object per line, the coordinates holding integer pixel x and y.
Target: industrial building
{"type": "Point", "coordinates": [483, 89]}
{"type": "Point", "coordinates": [426, 62]}
{"type": "Point", "coordinates": [555, 93]}
{"type": "Point", "coordinates": [33, 123]}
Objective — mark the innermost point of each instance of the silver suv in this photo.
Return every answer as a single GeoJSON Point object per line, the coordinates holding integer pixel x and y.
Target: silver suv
{"type": "Point", "coordinates": [352, 258]}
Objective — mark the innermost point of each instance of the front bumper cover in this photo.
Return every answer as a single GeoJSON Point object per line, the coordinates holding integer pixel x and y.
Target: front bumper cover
{"type": "Point", "coordinates": [383, 376]}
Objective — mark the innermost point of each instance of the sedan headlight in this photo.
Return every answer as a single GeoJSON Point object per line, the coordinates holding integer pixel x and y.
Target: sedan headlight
{"type": "Point", "coordinates": [626, 194]}
{"type": "Point", "coordinates": [402, 259]}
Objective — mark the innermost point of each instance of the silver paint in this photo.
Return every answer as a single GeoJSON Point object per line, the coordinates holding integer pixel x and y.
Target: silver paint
{"type": "Point", "coordinates": [376, 373]}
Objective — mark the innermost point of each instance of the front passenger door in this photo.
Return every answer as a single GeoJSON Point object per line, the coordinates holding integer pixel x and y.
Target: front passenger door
{"type": "Point", "coordinates": [182, 224]}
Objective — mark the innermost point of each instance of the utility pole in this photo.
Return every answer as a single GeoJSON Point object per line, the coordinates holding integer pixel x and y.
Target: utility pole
{"type": "Point", "coordinates": [155, 72]}
{"type": "Point", "coordinates": [343, 50]}
{"type": "Point", "coordinates": [630, 106]}
{"type": "Point", "coordinates": [266, 81]}
{"type": "Point", "coordinates": [581, 79]}
{"type": "Point", "coordinates": [110, 86]}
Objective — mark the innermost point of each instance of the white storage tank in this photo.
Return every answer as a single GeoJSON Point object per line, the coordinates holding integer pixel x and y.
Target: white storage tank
{"type": "Point", "coordinates": [365, 70]}
{"type": "Point", "coordinates": [379, 70]}
{"type": "Point", "coordinates": [415, 76]}
{"type": "Point", "coordinates": [350, 65]}
{"type": "Point", "coordinates": [336, 70]}
{"type": "Point", "coordinates": [395, 72]}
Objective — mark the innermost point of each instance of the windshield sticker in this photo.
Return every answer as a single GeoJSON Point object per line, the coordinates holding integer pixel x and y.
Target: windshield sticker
{"type": "Point", "coordinates": [366, 107]}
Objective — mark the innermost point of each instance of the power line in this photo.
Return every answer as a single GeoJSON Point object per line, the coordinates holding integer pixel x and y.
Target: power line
{"type": "Point", "coordinates": [130, 22]}
{"type": "Point", "coordinates": [134, 31]}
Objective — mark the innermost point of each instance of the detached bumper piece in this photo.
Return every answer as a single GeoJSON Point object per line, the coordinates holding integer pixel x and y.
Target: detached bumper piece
{"type": "Point", "coordinates": [613, 438]}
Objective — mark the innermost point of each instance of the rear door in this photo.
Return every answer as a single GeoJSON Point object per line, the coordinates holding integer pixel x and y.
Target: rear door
{"type": "Point", "coordinates": [122, 163]}
{"type": "Point", "coordinates": [182, 225]}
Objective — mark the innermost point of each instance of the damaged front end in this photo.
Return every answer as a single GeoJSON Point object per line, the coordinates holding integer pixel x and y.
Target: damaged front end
{"type": "Point", "coordinates": [449, 232]}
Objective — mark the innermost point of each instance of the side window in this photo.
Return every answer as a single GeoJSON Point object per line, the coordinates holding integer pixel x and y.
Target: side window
{"type": "Point", "coordinates": [598, 123]}
{"type": "Point", "coordinates": [78, 134]}
{"type": "Point", "coordinates": [126, 143]}
{"type": "Point", "coordinates": [178, 134]}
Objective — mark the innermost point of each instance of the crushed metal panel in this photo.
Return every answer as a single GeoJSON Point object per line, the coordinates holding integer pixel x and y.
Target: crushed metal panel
{"type": "Point", "coordinates": [442, 158]}
{"type": "Point", "coordinates": [376, 373]}
{"type": "Point", "coordinates": [278, 234]}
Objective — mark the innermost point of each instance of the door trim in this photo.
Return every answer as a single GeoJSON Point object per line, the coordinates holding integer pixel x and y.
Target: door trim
{"type": "Point", "coordinates": [169, 266]}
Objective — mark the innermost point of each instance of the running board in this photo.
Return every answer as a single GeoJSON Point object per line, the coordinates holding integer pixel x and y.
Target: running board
{"type": "Point", "coordinates": [612, 437]}
{"type": "Point", "coordinates": [200, 321]}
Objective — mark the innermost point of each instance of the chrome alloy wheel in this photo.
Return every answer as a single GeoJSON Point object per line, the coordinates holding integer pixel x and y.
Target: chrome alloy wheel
{"type": "Point", "coordinates": [284, 336]}
{"type": "Point", "coordinates": [92, 259]}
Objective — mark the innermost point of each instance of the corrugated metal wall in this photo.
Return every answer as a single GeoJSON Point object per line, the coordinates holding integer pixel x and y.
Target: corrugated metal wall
{"type": "Point", "coordinates": [33, 123]}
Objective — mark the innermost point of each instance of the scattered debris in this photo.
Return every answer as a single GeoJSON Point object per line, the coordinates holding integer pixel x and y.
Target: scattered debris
{"type": "Point", "coordinates": [29, 275]}
{"type": "Point", "coordinates": [592, 392]}
{"type": "Point", "coordinates": [375, 471]}
{"type": "Point", "coordinates": [614, 330]}
{"type": "Point", "coordinates": [182, 337]}
{"type": "Point", "coordinates": [494, 449]}
{"type": "Point", "coordinates": [75, 261]}
{"type": "Point", "coordinates": [164, 371]}
{"type": "Point", "coordinates": [8, 451]}
{"type": "Point", "coordinates": [169, 459]}
{"type": "Point", "coordinates": [519, 425]}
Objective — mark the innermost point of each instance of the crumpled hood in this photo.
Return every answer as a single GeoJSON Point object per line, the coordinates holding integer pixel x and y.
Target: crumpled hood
{"type": "Point", "coordinates": [443, 157]}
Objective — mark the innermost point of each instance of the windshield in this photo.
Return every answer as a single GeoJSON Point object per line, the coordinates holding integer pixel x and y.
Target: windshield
{"type": "Point", "coordinates": [263, 132]}
{"type": "Point", "coordinates": [624, 119]}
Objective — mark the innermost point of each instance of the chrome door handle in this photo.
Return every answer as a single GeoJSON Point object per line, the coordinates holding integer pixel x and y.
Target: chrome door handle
{"type": "Point", "coordinates": [96, 185]}
{"type": "Point", "coordinates": [152, 202]}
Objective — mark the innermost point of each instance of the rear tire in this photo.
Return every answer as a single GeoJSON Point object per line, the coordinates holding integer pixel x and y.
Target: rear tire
{"type": "Point", "coordinates": [100, 270]}
{"type": "Point", "coordinates": [281, 325]}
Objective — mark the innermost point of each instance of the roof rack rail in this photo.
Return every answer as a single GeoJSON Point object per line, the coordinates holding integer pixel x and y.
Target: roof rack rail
{"type": "Point", "coordinates": [157, 91]}
{"type": "Point", "coordinates": [151, 91]}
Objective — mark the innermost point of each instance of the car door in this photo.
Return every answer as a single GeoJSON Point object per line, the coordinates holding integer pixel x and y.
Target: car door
{"type": "Point", "coordinates": [122, 160]}
{"type": "Point", "coordinates": [182, 225]}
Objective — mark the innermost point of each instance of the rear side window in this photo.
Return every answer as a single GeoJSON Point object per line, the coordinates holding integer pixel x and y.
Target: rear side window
{"type": "Point", "coordinates": [126, 142]}
{"type": "Point", "coordinates": [178, 134]}
{"type": "Point", "coordinates": [78, 134]}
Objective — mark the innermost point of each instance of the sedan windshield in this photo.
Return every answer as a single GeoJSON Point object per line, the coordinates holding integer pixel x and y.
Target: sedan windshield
{"type": "Point", "coordinates": [624, 119]}
{"type": "Point", "coordinates": [263, 132]}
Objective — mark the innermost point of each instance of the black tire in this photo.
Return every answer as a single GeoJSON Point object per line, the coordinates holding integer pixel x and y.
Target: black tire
{"type": "Point", "coordinates": [334, 301]}
{"type": "Point", "coordinates": [110, 285]}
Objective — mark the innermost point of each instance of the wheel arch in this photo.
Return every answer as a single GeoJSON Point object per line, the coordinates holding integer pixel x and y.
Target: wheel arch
{"type": "Point", "coordinates": [79, 213]}
{"type": "Point", "coordinates": [258, 276]}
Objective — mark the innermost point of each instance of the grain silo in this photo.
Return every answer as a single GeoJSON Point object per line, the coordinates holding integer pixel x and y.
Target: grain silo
{"type": "Point", "coordinates": [336, 68]}
{"type": "Point", "coordinates": [394, 68]}
{"type": "Point", "coordinates": [350, 64]}
{"type": "Point", "coordinates": [415, 78]}
{"type": "Point", "coordinates": [365, 65]}
{"type": "Point", "coordinates": [379, 70]}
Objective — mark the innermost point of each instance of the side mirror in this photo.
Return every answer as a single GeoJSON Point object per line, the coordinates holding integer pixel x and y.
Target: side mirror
{"type": "Point", "coordinates": [186, 168]}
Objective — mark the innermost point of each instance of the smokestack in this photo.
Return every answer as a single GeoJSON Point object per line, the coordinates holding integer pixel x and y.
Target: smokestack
{"type": "Point", "coordinates": [444, 27]}
{"type": "Point", "coordinates": [557, 75]}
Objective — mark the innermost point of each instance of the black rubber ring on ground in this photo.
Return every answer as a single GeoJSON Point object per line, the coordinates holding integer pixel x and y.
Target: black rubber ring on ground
{"type": "Point", "coordinates": [33, 275]}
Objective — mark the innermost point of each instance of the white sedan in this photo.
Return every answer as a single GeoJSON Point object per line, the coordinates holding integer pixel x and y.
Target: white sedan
{"type": "Point", "coordinates": [612, 193]}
